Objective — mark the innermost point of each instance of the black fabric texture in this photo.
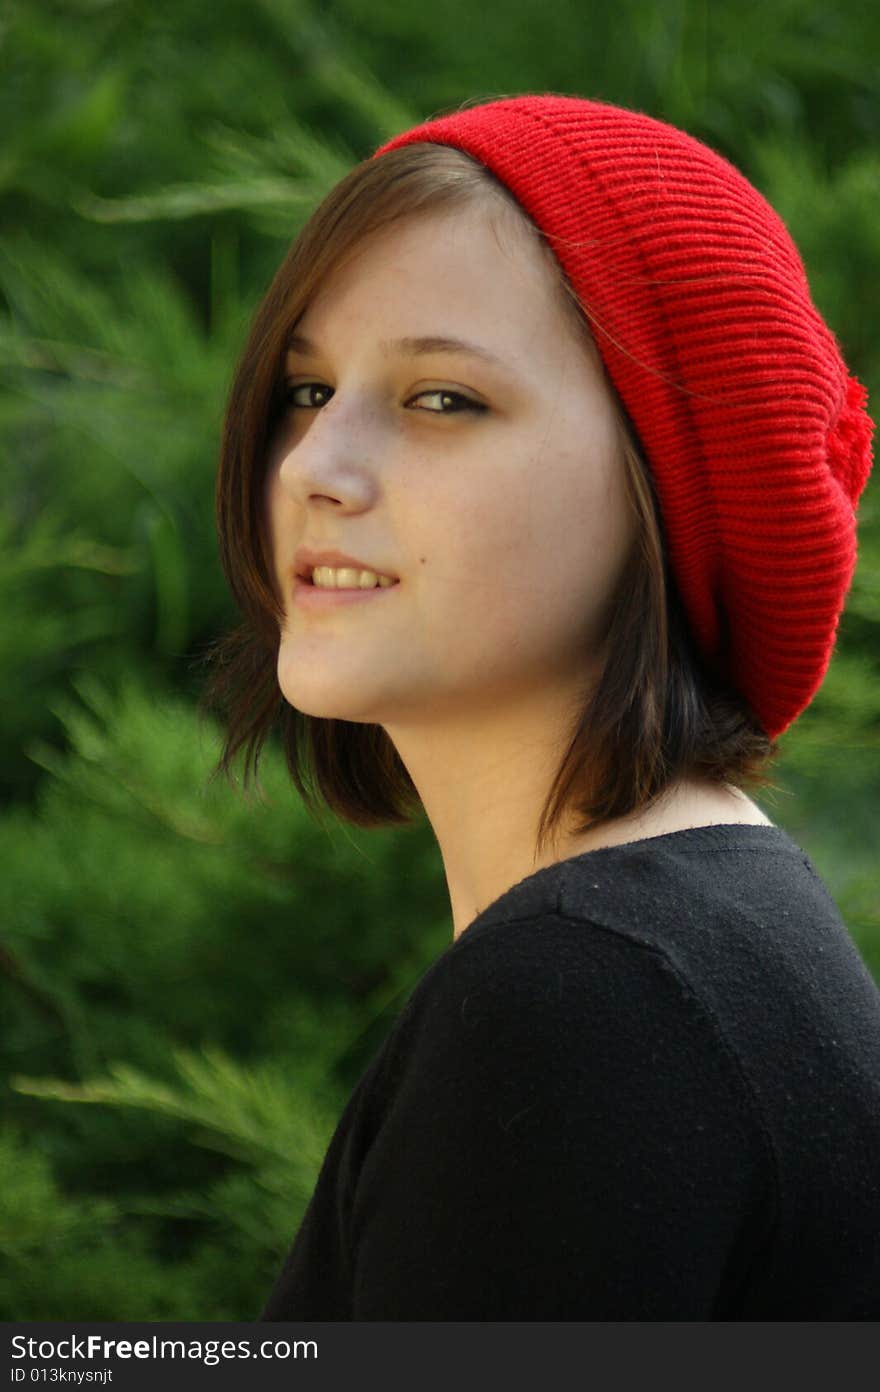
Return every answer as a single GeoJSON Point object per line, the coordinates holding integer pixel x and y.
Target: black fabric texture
{"type": "Point", "coordinates": [643, 1084]}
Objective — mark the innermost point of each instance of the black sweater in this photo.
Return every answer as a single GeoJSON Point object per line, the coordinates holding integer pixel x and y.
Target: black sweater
{"type": "Point", "coordinates": [644, 1084]}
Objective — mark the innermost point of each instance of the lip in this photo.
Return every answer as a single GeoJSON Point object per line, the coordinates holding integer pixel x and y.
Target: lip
{"type": "Point", "coordinates": [307, 557]}
{"type": "Point", "coordinates": [313, 597]}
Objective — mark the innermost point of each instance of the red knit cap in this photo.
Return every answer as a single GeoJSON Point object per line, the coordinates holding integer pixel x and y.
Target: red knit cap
{"type": "Point", "coordinates": [756, 435]}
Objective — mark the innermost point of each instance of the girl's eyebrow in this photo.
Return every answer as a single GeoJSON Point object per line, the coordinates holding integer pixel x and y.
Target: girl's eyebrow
{"type": "Point", "coordinates": [413, 347]}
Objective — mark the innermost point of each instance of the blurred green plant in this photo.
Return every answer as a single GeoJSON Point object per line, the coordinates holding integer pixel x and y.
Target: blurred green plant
{"type": "Point", "coordinates": [270, 1127]}
{"type": "Point", "coordinates": [135, 893]}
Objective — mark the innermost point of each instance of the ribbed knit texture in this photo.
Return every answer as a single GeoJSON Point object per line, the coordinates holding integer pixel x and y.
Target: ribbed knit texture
{"type": "Point", "coordinates": [756, 435]}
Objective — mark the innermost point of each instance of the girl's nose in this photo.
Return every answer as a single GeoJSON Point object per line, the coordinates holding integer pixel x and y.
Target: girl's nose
{"type": "Point", "coordinates": [333, 459]}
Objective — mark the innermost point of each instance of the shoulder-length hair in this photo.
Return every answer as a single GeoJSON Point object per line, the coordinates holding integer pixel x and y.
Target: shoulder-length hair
{"type": "Point", "coordinates": [656, 713]}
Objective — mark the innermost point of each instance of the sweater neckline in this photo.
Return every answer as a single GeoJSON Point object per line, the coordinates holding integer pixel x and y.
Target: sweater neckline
{"type": "Point", "coordinates": [720, 836]}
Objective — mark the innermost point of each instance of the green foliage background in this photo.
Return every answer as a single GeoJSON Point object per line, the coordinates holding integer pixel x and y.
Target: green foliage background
{"type": "Point", "coordinates": [193, 980]}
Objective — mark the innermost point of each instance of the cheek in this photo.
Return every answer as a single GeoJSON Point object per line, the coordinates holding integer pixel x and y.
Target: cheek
{"type": "Point", "coordinates": [482, 579]}
{"type": "Point", "coordinates": [552, 543]}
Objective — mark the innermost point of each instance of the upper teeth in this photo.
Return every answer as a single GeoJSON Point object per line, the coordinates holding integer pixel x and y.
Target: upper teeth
{"type": "Point", "coordinates": [346, 577]}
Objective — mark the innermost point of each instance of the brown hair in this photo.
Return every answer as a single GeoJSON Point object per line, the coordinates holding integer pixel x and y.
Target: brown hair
{"type": "Point", "coordinates": [656, 713]}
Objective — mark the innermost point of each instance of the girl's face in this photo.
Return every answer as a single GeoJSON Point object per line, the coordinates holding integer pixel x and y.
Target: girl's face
{"type": "Point", "coordinates": [446, 427]}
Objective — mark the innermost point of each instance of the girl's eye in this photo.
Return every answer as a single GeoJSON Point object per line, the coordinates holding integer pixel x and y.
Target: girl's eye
{"type": "Point", "coordinates": [447, 403]}
{"type": "Point", "coordinates": [312, 395]}
{"type": "Point", "coordinates": [307, 394]}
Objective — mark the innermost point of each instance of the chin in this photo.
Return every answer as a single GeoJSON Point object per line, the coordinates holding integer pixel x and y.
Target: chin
{"type": "Point", "coordinates": [330, 712]}
{"type": "Point", "coordinates": [326, 708]}
{"type": "Point", "coordinates": [326, 702]}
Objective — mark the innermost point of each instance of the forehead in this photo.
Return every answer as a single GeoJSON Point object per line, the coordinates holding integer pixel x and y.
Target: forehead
{"type": "Point", "coordinates": [478, 269]}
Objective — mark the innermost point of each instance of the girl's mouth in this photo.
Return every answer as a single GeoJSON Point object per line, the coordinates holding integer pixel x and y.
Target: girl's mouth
{"type": "Point", "coordinates": [309, 596]}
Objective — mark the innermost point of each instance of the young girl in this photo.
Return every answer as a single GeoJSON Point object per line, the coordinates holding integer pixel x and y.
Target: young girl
{"type": "Point", "coordinates": [538, 496]}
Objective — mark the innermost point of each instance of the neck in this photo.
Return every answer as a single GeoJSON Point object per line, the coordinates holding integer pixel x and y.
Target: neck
{"type": "Point", "coordinates": [483, 779]}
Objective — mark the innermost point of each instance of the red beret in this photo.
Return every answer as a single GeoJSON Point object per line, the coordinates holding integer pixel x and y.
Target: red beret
{"type": "Point", "coordinates": [756, 435]}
